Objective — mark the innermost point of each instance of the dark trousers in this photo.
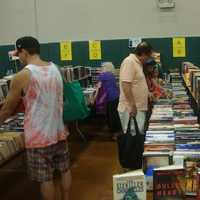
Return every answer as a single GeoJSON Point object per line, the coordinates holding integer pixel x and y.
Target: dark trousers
{"type": "Point", "coordinates": [112, 116]}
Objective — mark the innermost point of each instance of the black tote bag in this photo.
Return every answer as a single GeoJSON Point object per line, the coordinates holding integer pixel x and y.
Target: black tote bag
{"type": "Point", "coordinates": [130, 148]}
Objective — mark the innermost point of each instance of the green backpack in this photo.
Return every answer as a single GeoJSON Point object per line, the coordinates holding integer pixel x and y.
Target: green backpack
{"type": "Point", "coordinates": [74, 106]}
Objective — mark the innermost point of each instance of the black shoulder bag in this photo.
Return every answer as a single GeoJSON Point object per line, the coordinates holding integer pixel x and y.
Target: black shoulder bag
{"type": "Point", "coordinates": [130, 148]}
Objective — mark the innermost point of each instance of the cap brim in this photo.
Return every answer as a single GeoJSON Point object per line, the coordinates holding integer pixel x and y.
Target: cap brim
{"type": "Point", "coordinates": [13, 53]}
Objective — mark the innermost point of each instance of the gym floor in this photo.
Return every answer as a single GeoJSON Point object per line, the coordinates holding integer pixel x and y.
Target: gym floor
{"type": "Point", "coordinates": [93, 164]}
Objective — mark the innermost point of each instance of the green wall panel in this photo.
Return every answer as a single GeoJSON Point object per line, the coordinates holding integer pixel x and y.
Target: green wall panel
{"type": "Point", "coordinates": [112, 50]}
{"type": "Point", "coordinates": [5, 64]}
{"type": "Point", "coordinates": [164, 46]}
{"type": "Point", "coordinates": [44, 51]}
{"type": "Point", "coordinates": [80, 53]}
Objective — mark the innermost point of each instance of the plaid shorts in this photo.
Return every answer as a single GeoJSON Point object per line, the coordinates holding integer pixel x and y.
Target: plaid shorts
{"type": "Point", "coordinates": [42, 162]}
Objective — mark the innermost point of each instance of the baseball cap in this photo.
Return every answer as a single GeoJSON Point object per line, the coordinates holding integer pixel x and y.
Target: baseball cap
{"type": "Point", "coordinates": [26, 42]}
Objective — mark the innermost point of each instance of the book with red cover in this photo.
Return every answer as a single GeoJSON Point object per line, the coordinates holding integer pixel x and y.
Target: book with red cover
{"type": "Point", "coordinates": [168, 183]}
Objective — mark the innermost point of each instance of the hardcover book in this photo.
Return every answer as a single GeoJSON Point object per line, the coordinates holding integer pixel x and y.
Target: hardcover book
{"type": "Point", "coordinates": [152, 160]}
{"type": "Point", "coordinates": [169, 183]}
{"type": "Point", "coordinates": [191, 164]}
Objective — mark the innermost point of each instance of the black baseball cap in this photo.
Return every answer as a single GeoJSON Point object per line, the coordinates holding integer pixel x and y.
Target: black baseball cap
{"type": "Point", "coordinates": [26, 42]}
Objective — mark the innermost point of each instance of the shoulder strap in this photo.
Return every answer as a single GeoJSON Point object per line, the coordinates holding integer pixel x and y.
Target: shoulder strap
{"type": "Point", "coordinates": [136, 126]}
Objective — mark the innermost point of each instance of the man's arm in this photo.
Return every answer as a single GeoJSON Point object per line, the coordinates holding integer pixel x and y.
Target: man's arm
{"type": "Point", "coordinates": [127, 89]}
{"type": "Point", "coordinates": [14, 95]}
{"type": "Point", "coordinates": [127, 75]}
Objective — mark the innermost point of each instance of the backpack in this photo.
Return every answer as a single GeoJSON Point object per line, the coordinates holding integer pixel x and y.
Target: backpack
{"type": "Point", "coordinates": [74, 105]}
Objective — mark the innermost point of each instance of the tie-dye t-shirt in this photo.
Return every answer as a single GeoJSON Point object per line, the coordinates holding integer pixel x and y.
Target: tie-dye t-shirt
{"type": "Point", "coordinates": [43, 101]}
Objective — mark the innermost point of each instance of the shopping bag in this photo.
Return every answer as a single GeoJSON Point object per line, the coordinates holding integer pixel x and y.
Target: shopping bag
{"type": "Point", "coordinates": [130, 148]}
{"type": "Point", "coordinates": [74, 105]}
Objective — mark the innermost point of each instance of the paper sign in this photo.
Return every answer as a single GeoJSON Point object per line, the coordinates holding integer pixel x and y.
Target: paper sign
{"type": "Point", "coordinates": [179, 47]}
{"type": "Point", "coordinates": [95, 50]}
{"type": "Point", "coordinates": [66, 50]}
{"type": "Point", "coordinates": [133, 42]}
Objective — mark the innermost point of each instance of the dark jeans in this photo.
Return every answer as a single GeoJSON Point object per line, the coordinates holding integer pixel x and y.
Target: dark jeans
{"type": "Point", "coordinates": [112, 116]}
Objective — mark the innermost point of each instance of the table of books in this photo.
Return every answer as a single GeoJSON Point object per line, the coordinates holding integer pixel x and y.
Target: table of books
{"type": "Point", "coordinates": [11, 138]}
{"type": "Point", "coordinates": [171, 159]}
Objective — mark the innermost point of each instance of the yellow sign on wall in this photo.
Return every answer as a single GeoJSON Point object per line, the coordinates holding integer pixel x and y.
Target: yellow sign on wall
{"type": "Point", "coordinates": [179, 47]}
{"type": "Point", "coordinates": [66, 50]}
{"type": "Point", "coordinates": [95, 50]}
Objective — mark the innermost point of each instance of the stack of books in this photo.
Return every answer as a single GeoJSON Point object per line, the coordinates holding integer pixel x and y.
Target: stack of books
{"type": "Point", "coordinates": [191, 77]}
{"type": "Point", "coordinates": [160, 139]}
{"type": "Point", "coordinates": [173, 126]}
{"type": "Point", "coordinates": [187, 131]}
{"type": "Point", "coordinates": [161, 129]}
{"type": "Point", "coordinates": [10, 144]}
{"type": "Point", "coordinates": [11, 137]}
{"type": "Point", "coordinates": [14, 123]}
{"type": "Point", "coordinates": [185, 122]}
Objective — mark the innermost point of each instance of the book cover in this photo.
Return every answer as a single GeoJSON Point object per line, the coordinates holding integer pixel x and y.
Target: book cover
{"type": "Point", "coordinates": [198, 186]}
{"type": "Point", "coordinates": [160, 127]}
{"type": "Point", "coordinates": [169, 183]}
{"type": "Point", "coordinates": [159, 132]}
{"type": "Point", "coordinates": [191, 164]}
{"type": "Point", "coordinates": [162, 147]}
{"type": "Point", "coordinates": [198, 92]}
{"type": "Point", "coordinates": [188, 147]}
{"type": "Point", "coordinates": [195, 75]}
{"type": "Point", "coordinates": [160, 138]}
{"type": "Point", "coordinates": [131, 185]}
{"type": "Point", "coordinates": [152, 160]}
{"type": "Point", "coordinates": [197, 79]}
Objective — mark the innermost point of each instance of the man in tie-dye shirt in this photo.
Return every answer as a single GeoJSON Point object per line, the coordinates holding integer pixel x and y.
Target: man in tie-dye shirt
{"type": "Point", "coordinates": [40, 87]}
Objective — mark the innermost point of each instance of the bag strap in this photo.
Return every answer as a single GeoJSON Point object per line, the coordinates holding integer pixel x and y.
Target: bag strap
{"type": "Point", "coordinates": [136, 125]}
{"type": "Point", "coordinates": [129, 126]}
